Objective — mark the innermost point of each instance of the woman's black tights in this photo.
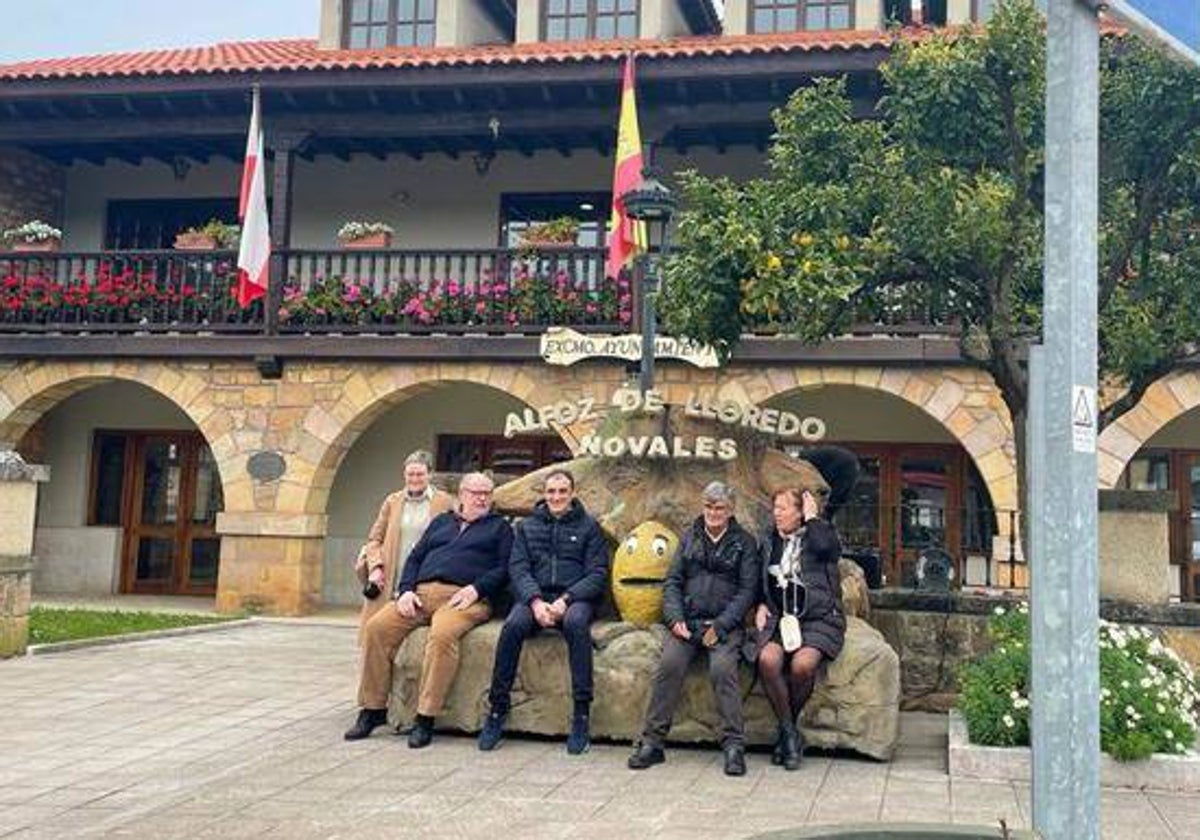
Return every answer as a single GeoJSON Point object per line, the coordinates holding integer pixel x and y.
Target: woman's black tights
{"type": "Point", "coordinates": [789, 678]}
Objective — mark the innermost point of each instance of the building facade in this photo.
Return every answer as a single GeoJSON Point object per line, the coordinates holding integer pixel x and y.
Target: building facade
{"type": "Point", "coordinates": [198, 448]}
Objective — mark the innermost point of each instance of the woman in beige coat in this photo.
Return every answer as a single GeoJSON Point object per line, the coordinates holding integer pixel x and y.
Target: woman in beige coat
{"type": "Point", "coordinates": [401, 521]}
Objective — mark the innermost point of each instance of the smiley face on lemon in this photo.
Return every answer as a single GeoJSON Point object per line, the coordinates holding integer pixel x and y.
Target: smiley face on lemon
{"type": "Point", "coordinates": [639, 570]}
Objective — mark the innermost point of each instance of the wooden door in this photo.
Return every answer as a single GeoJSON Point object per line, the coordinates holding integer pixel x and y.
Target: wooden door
{"type": "Point", "coordinates": [171, 546]}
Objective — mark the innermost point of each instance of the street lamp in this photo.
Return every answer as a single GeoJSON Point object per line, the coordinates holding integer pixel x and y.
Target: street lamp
{"type": "Point", "coordinates": [651, 203]}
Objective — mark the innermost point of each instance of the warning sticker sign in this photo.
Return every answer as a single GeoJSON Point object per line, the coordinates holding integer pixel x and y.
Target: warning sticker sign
{"type": "Point", "coordinates": [1083, 418]}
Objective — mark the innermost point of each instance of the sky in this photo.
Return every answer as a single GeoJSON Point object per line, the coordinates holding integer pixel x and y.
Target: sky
{"type": "Point", "coordinates": [57, 28]}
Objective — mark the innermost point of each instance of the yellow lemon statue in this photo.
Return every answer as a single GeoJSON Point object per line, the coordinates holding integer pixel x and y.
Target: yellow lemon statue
{"type": "Point", "coordinates": [639, 570]}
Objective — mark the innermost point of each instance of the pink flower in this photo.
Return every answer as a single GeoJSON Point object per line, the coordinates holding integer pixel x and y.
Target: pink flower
{"type": "Point", "coordinates": [452, 289]}
{"type": "Point", "coordinates": [481, 307]}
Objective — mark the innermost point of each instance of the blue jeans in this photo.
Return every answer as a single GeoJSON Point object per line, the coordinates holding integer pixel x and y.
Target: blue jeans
{"type": "Point", "coordinates": [576, 627]}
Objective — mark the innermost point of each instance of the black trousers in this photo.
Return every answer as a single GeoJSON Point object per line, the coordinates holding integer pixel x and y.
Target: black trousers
{"type": "Point", "coordinates": [667, 687]}
{"type": "Point", "coordinates": [576, 628]}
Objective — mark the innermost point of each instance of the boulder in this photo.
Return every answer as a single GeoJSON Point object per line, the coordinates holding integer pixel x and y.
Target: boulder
{"type": "Point", "coordinates": [855, 706]}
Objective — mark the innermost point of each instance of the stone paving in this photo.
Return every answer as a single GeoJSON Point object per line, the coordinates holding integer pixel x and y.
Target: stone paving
{"type": "Point", "coordinates": [237, 733]}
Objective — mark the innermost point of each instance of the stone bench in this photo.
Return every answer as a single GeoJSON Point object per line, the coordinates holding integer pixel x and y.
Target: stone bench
{"type": "Point", "coordinates": [856, 706]}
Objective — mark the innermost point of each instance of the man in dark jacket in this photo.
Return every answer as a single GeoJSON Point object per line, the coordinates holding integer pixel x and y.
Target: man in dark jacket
{"type": "Point", "coordinates": [457, 565]}
{"type": "Point", "coordinates": [711, 585]}
{"type": "Point", "coordinates": [558, 572]}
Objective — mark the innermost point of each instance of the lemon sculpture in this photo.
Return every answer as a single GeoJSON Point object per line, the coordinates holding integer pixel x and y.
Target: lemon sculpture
{"type": "Point", "coordinates": [639, 570]}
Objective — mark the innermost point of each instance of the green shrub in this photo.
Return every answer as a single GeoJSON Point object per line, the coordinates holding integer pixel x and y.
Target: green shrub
{"type": "Point", "coordinates": [1148, 695]}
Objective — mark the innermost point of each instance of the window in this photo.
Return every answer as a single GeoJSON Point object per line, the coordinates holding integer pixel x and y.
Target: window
{"type": "Point", "coordinates": [518, 211]}
{"type": "Point", "coordinates": [498, 454]}
{"type": "Point", "coordinates": [581, 20]}
{"type": "Point", "coordinates": [900, 12]}
{"type": "Point", "coordinates": [108, 479]}
{"type": "Point", "coordinates": [135, 224]}
{"type": "Point", "coordinates": [794, 15]}
{"type": "Point", "coordinates": [390, 23]}
{"type": "Point", "coordinates": [981, 10]}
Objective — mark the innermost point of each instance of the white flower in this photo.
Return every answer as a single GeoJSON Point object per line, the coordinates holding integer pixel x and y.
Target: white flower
{"type": "Point", "coordinates": [1014, 694]}
{"type": "Point", "coordinates": [1160, 708]}
{"type": "Point", "coordinates": [1170, 736]}
{"type": "Point", "coordinates": [1009, 722]}
{"type": "Point", "coordinates": [999, 611]}
{"type": "Point", "coordinates": [1104, 692]}
{"type": "Point", "coordinates": [1129, 710]}
{"type": "Point", "coordinates": [1145, 682]}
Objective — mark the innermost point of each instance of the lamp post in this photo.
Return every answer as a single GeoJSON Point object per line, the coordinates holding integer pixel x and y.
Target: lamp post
{"type": "Point", "coordinates": [651, 203]}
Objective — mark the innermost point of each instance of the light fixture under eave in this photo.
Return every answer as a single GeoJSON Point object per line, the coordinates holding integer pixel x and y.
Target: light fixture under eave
{"type": "Point", "coordinates": [483, 161]}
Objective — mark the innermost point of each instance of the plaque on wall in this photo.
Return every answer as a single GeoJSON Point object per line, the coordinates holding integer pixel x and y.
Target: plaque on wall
{"type": "Point", "coordinates": [266, 466]}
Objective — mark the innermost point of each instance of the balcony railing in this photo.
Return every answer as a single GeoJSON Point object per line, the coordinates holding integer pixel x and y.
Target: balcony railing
{"type": "Point", "coordinates": [122, 291]}
{"type": "Point", "coordinates": [346, 291]}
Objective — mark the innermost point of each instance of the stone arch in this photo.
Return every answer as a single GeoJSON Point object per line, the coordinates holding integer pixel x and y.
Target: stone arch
{"type": "Point", "coordinates": [31, 389]}
{"type": "Point", "coordinates": [964, 401]}
{"type": "Point", "coordinates": [327, 434]}
{"type": "Point", "coordinates": [1174, 395]}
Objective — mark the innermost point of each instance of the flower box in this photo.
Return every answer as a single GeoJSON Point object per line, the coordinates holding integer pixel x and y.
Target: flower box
{"type": "Point", "coordinates": [381, 239]}
{"type": "Point", "coordinates": [194, 241]}
{"type": "Point", "coordinates": [44, 245]}
{"type": "Point", "coordinates": [1014, 764]}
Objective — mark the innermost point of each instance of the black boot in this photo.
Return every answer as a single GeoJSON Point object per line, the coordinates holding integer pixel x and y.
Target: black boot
{"type": "Point", "coordinates": [793, 747]}
{"type": "Point", "coordinates": [367, 720]}
{"type": "Point", "coordinates": [735, 760]}
{"type": "Point", "coordinates": [777, 752]}
{"type": "Point", "coordinates": [422, 732]}
{"type": "Point", "coordinates": [646, 756]}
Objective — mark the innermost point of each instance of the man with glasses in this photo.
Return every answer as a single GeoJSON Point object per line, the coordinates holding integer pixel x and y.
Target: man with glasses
{"type": "Point", "coordinates": [710, 587]}
{"type": "Point", "coordinates": [457, 565]}
{"type": "Point", "coordinates": [559, 573]}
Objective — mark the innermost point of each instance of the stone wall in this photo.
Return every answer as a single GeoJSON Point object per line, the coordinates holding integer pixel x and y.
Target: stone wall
{"type": "Point", "coordinates": [935, 635]}
{"type": "Point", "coordinates": [31, 187]}
{"type": "Point", "coordinates": [273, 530]}
{"type": "Point", "coordinates": [18, 512]}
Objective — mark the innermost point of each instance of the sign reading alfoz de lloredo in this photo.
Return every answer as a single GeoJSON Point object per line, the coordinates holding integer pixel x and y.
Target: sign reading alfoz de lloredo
{"type": "Point", "coordinates": [772, 421]}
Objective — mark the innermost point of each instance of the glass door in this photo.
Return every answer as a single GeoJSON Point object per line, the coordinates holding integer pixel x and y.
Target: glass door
{"type": "Point", "coordinates": [1188, 527]}
{"type": "Point", "coordinates": [171, 545]}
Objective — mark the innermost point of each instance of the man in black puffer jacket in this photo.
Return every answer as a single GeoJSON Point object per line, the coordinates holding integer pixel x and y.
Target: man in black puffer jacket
{"type": "Point", "coordinates": [558, 572]}
{"type": "Point", "coordinates": [711, 585]}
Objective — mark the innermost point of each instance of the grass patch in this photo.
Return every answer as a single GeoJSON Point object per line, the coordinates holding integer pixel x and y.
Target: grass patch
{"type": "Point", "coordinates": [56, 624]}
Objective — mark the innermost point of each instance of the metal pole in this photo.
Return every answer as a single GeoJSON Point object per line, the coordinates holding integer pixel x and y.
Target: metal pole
{"type": "Point", "coordinates": [1065, 592]}
{"type": "Point", "coordinates": [649, 324]}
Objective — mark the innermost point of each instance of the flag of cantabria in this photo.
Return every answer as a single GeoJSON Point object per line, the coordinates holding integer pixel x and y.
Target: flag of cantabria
{"type": "Point", "coordinates": [254, 253]}
{"type": "Point", "coordinates": [626, 238]}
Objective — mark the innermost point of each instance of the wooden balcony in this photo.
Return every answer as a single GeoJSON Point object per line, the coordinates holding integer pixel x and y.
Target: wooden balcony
{"type": "Point", "coordinates": [414, 303]}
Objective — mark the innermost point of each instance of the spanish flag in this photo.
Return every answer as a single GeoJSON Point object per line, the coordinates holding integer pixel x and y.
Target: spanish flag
{"type": "Point", "coordinates": [626, 238]}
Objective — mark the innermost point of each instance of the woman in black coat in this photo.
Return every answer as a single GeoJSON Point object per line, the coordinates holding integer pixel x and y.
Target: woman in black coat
{"type": "Point", "coordinates": [800, 577]}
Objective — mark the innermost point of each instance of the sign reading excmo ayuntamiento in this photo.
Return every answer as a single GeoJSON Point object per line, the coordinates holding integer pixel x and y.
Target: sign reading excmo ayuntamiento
{"type": "Point", "coordinates": [562, 346]}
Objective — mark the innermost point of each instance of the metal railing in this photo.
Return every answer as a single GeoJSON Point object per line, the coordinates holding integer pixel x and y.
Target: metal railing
{"type": "Point", "coordinates": [142, 291]}
{"type": "Point", "coordinates": [411, 291]}
{"type": "Point", "coordinates": [494, 290]}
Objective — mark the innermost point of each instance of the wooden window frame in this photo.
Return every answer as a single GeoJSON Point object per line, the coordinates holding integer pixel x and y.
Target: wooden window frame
{"type": "Point", "coordinates": [801, 7]}
{"type": "Point", "coordinates": [393, 25]}
{"type": "Point", "coordinates": [507, 199]}
{"type": "Point", "coordinates": [593, 16]}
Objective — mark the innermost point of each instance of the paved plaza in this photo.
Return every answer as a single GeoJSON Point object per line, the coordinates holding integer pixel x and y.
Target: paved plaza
{"type": "Point", "coordinates": [238, 733]}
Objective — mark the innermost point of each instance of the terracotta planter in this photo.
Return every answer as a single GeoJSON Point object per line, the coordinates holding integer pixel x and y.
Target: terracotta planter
{"type": "Point", "coordinates": [195, 242]}
{"type": "Point", "coordinates": [43, 246]}
{"type": "Point", "coordinates": [371, 240]}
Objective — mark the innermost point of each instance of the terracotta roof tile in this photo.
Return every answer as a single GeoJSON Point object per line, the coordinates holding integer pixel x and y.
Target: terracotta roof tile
{"type": "Point", "coordinates": [298, 55]}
